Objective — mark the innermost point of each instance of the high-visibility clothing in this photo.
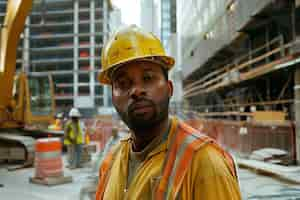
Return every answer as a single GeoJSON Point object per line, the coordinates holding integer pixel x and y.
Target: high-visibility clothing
{"type": "Point", "coordinates": [73, 133]}
{"type": "Point", "coordinates": [188, 165]}
{"type": "Point", "coordinates": [57, 126]}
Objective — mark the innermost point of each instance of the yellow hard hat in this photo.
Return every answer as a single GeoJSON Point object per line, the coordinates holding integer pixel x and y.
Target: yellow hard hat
{"type": "Point", "coordinates": [129, 44]}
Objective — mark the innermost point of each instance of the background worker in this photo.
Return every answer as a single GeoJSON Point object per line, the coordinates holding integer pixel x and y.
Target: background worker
{"type": "Point", "coordinates": [91, 187]}
{"type": "Point", "coordinates": [112, 141]}
{"type": "Point", "coordinates": [164, 158]}
{"type": "Point", "coordinates": [58, 123]}
{"type": "Point", "coordinates": [74, 138]}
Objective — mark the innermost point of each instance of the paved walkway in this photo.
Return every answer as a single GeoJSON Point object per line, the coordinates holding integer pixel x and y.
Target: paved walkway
{"type": "Point", "coordinates": [16, 185]}
{"type": "Point", "coordinates": [259, 187]}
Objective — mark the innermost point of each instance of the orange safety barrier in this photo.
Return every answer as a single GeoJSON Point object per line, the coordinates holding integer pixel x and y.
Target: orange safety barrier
{"type": "Point", "coordinates": [246, 137]}
{"type": "Point", "coordinates": [99, 131]}
{"type": "Point", "coordinates": [48, 158]}
{"type": "Point", "coordinates": [47, 145]}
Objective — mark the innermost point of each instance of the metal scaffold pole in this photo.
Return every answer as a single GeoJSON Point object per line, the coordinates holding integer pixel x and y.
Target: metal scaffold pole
{"type": "Point", "coordinates": [297, 111]}
{"type": "Point", "coordinates": [297, 85]}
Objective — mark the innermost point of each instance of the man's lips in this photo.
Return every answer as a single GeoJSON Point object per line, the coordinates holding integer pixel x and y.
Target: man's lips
{"type": "Point", "coordinates": [141, 107]}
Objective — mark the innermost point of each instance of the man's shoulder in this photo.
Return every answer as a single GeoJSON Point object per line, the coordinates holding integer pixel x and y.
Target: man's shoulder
{"type": "Point", "coordinates": [193, 133]}
{"type": "Point", "coordinates": [209, 154]}
{"type": "Point", "coordinates": [210, 159]}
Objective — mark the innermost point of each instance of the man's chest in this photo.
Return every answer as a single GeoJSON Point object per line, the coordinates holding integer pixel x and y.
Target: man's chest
{"type": "Point", "coordinates": [145, 177]}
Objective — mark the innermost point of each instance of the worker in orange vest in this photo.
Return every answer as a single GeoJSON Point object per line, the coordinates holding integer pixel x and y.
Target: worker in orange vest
{"type": "Point", "coordinates": [58, 123]}
{"type": "Point", "coordinates": [163, 158]}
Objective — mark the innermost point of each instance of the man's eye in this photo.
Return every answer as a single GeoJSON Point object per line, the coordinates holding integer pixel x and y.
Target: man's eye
{"type": "Point", "coordinates": [123, 83]}
{"type": "Point", "coordinates": [148, 77]}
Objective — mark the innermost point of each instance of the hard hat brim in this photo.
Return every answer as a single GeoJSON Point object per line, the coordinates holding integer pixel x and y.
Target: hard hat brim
{"type": "Point", "coordinates": [166, 61]}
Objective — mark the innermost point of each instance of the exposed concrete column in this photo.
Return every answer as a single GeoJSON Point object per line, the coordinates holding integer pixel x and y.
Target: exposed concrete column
{"type": "Point", "coordinates": [26, 47]}
{"type": "Point", "coordinates": [297, 110]}
{"type": "Point", "coordinates": [105, 36]}
{"type": "Point", "coordinates": [92, 49]}
{"type": "Point", "coordinates": [75, 50]}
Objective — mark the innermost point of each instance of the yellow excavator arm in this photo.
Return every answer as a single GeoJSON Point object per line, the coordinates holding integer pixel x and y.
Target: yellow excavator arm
{"type": "Point", "coordinates": [13, 26]}
{"type": "Point", "coordinates": [24, 100]}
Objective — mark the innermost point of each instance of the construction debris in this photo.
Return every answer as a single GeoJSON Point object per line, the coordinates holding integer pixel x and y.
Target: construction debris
{"type": "Point", "coordinates": [289, 174]}
{"type": "Point", "coordinates": [272, 155]}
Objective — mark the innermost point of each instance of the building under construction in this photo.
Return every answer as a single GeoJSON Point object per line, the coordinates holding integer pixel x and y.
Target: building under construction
{"type": "Point", "coordinates": [64, 38]}
{"type": "Point", "coordinates": [240, 63]}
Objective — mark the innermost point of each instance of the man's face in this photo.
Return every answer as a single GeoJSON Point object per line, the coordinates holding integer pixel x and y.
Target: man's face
{"type": "Point", "coordinates": [75, 119]}
{"type": "Point", "coordinates": [140, 94]}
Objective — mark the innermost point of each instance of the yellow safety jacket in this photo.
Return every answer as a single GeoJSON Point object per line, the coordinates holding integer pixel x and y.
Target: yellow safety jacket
{"type": "Point", "coordinates": [71, 136]}
{"type": "Point", "coordinates": [187, 166]}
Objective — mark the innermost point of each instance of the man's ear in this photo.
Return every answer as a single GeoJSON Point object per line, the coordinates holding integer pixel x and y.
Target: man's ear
{"type": "Point", "coordinates": [170, 88]}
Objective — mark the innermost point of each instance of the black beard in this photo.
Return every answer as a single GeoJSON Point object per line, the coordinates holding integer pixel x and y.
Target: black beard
{"type": "Point", "coordinates": [139, 125]}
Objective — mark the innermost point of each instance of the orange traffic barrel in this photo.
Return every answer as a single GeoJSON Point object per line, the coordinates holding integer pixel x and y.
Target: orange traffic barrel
{"type": "Point", "coordinates": [48, 158]}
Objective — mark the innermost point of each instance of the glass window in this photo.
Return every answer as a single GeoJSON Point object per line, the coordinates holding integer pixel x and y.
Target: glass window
{"type": "Point", "coordinates": [98, 90]}
{"type": "Point", "coordinates": [40, 98]}
{"type": "Point", "coordinates": [99, 102]}
{"type": "Point", "coordinates": [109, 96]}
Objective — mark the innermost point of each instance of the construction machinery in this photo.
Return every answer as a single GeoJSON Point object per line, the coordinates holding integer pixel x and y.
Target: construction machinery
{"type": "Point", "coordinates": [26, 102]}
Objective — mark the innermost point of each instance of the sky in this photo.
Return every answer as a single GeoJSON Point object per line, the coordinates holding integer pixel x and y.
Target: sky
{"type": "Point", "coordinates": [130, 10]}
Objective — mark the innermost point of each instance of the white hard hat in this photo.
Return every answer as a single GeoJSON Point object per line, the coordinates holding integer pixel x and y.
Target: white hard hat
{"type": "Point", "coordinates": [74, 112]}
{"type": "Point", "coordinates": [59, 115]}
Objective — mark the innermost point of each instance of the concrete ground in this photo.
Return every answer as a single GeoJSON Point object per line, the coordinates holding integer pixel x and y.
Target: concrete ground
{"type": "Point", "coordinates": [260, 187]}
{"type": "Point", "coordinates": [16, 186]}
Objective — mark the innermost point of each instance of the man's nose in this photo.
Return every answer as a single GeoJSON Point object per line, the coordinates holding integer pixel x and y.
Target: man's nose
{"type": "Point", "coordinates": [137, 91]}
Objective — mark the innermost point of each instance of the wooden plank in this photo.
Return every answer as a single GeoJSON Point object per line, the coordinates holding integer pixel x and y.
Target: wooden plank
{"type": "Point", "coordinates": [269, 116]}
{"type": "Point", "coordinates": [284, 173]}
{"type": "Point", "coordinates": [237, 68]}
{"type": "Point", "coordinates": [224, 114]}
{"type": "Point", "coordinates": [189, 88]}
{"type": "Point", "coordinates": [253, 73]}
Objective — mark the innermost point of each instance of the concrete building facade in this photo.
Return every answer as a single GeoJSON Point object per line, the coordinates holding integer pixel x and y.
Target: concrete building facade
{"type": "Point", "coordinates": [239, 57]}
{"type": "Point", "coordinates": [64, 38]}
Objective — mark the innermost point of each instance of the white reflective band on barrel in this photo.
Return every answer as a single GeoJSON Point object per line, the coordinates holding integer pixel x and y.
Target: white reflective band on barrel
{"type": "Point", "coordinates": [48, 155]}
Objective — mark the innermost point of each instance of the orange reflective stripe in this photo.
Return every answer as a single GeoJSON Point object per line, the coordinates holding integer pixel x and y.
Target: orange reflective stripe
{"type": "Point", "coordinates": [181, 142]}
{"type": "Point", "coordinates": [184, 156]}
{"type": "Point", "coordinates": [103, 174]}
{"type": "Point", "coordinates": [183, 146]}
{"type": "Point", "coordinates": [228, 158]}
{"type": "Point", "coordinates": [184, 164]}
{"type": "Point", "coordinates": [167, 168]}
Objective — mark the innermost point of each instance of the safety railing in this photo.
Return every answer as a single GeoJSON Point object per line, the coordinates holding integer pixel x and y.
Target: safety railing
{"type": "Point", "coordinates": [255, 63]}
{"type": "Point", "coordinates": [245, 137]}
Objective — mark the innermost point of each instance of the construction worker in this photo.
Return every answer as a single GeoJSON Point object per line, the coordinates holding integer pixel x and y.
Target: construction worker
{"type": "Point", "coordinates": [112, 141]}
{"type": "Point", "coordinates": [163, 158]}
{"type": "Point", "coordinates": [58, 123]}
{"type": "Point", "coordinates": [90, 188]}
{"type": "Point", "coordinates": [74, 138]}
